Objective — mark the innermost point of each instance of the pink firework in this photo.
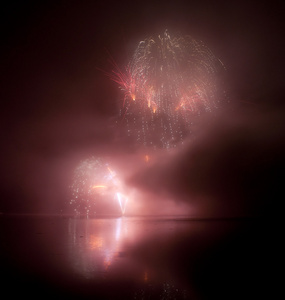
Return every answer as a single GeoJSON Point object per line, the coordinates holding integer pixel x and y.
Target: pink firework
{"type": "Point", "coordinates": [96, 185]}
{"type": "Point", "coordinates": [167, 83]}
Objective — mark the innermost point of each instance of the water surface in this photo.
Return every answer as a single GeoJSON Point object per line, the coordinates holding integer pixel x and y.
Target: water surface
{"type": "Point", "coordinates": [166, 257]}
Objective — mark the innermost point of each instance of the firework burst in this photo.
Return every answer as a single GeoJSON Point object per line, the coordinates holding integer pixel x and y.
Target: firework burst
{"type": "Point", "coordinates": [95, 182]}
{"type": "Point", "coordinates": [167, 82]}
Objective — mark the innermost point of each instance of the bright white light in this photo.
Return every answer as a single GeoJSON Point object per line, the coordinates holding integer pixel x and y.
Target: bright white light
{"type": "Point", "coordinates": [122, 199]}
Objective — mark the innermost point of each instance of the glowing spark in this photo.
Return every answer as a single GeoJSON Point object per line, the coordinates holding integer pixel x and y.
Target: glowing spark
{"type": "Point", "coordinates": [133, 96]}
{"type": "Point", "coordinates": [98, 186]}
{"type": "Point", "coordinates": [145, 278]}
{"type": "Point", "coordinates": [111, 172]}
{"type": "Point", "coordinates": [154, 108]}
{"type": "Point", "coordinates": [146, 158]}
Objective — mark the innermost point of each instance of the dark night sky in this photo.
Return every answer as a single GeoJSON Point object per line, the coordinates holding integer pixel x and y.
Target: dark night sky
{"type": "Point", "coordinates": [56, 104]}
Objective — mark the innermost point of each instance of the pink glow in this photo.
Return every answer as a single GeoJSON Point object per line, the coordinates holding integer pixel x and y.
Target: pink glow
{"type": "Point", "coordinates": [94, 182]}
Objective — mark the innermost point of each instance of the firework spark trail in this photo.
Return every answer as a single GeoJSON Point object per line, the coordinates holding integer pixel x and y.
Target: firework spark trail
{"type": "Point", "coordinates": [122, 199]}
{"type": "Point", "coordinates": [95, 181]}
{"type": "Point", "coordinates": [167, 82]}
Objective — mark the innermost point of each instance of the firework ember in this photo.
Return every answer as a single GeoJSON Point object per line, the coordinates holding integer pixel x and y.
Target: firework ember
{"type": "Point", "coordinates": [168, 81]}
{"type": "Point", "coordinates": [95, 183]}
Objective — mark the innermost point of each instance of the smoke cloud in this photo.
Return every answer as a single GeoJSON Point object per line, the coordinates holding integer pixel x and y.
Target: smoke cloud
{"type": "Point", "coordinates": [232, 168]}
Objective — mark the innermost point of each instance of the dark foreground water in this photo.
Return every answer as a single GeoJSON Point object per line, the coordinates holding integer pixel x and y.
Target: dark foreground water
{"type": "Point", "coordinates": [136, 258]}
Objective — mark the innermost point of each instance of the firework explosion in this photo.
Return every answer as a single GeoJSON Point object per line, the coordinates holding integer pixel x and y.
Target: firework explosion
{"type": "Point", "coordinates": [95, 183]}
{"type": "Point", "coordinates": [166, 84]}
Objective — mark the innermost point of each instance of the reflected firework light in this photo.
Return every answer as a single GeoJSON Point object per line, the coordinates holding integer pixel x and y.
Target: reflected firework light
{"type": "Point", "coordinates": [167, 84]}
{"type": "Point", "coordinates": [95, 183]}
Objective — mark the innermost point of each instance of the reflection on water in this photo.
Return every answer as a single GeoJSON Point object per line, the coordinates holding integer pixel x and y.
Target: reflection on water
{"type": "Point", "coordinates": [106, 249]}
{"type": "Point", "coordinates": [132, 257]}
{"type": "Point", "coordinates": [96, 244]}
